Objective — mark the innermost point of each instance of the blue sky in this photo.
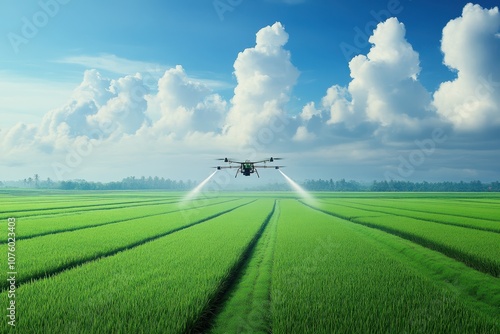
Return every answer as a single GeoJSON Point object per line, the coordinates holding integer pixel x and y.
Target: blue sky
{"type": "Point", "coordinates": [192, 33]}
{"type": "Point", "coordinates": [50, 105]}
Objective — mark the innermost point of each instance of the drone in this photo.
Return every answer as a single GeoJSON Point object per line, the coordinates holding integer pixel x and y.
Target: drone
{"type": "Point", "coordinates": [248, 167]}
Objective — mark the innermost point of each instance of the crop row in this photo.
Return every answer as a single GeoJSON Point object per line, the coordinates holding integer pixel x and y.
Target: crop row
{"type": "Point", "coordinates": [163, 286]}
{"type": "Point", "coordinates": [328, 278]}
{"type": "Point", "coordinates": [29, 227]}
{"type": "Point", "coordinates": [53, 253]}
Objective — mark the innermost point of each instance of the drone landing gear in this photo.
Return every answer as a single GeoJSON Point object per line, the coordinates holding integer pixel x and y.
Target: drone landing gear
{"type": "Point", "coordinates": [257, 173]}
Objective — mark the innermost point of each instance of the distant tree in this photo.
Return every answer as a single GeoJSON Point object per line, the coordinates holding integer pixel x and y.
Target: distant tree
{"type": "Point", "coordinates": [37, 178]}
{"type": "Point", "coordinates": [495, 186]}
{"type": "Point", "coordinates": [68, 185]}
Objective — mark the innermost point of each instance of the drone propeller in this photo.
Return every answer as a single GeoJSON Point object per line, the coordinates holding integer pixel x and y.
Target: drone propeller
{"type": "Point", "coordinates": [267, 166]}
{"type": "Point", "coordinates": [224, 159]}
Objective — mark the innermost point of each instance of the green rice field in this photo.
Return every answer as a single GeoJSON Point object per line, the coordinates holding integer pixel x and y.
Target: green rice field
{"type": "Point", "coordinates": [149, 262]}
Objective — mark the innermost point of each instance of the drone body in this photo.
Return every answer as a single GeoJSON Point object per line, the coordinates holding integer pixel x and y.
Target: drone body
{"type": "Point", "coordinates": [248, 167]}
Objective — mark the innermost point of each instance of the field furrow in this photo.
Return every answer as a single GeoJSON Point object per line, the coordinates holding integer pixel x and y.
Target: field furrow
{"type": "Point", "coordinates": [248, 306]}
{"type": "Point", "coordinates": [207, 318]}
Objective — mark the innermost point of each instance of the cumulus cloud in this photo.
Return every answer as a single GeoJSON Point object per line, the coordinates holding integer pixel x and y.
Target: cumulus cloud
{"type": "Point", "coordinates": [265, 76]}
{"type": "Point", "coordinates": [384, 89]}
{"type": "Point", "coordinates": [309, 111]}
{"type": "Point", "coordinates": [99, 107]}
{"type": "Point", "coordinates": [471, 47]}
{"type": "Point", "coordinates": [302, 134]}
{"type": "Point", "coordinates": [19, 135]}
{"type": "Point", "coordinates": [183, 105]}
{"type": "Point", "coordinates": [125, 111]}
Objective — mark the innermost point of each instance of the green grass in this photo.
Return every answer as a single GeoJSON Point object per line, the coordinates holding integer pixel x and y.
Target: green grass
{"type": "Point", "coordinates": [144, 262]}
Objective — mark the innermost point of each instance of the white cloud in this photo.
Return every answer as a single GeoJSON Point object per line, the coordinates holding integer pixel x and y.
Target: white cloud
{"type": "Point", "coordinates": [99, 107]}
{"type": "Point", "coordinates": [19, 135]}
{"type": "Point", "coordinates": [303, 134]}
{"type": "Point", "coordinates": [471, 47]}
{"type": "Point", "coordinates": [125, 111]}
{"type": "Point", "coordinates": [183, 105]}
{"type": "Point", "coordinates": [309, 111]}
{"type": "Point", "coordinates": [384, 99]}
{"type": "Point", "coordinates": [265, 77]}
{"type": "Point", "coordinates": [338, 102]}
{"type": "Point", "coordinates": [384, 87]}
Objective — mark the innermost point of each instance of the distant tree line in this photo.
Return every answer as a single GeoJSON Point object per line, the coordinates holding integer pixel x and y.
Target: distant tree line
{"type": "Point", "coordinates": [393, 185]}
{"type": "Point", "coordinates": [145, 183]}
{"type": "Point", "coordinates": [330, 185]}
{"type": "Point", "coordinates": [129, 183]}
